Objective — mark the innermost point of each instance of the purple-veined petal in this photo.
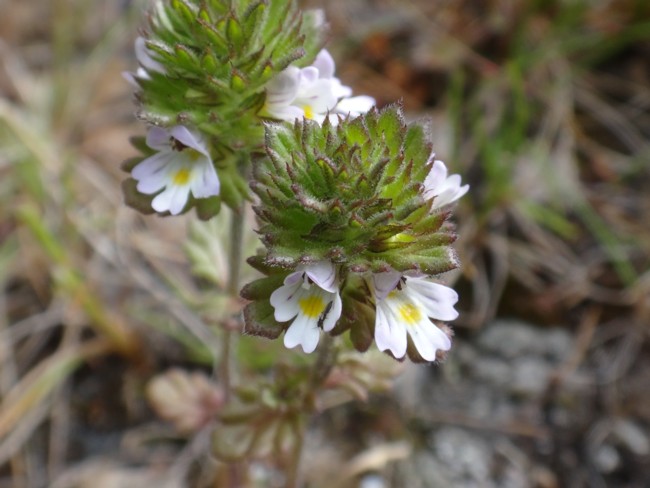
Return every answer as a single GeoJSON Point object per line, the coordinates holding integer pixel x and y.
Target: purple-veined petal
{"type": "Point", "coordinates": [153, 184]}
{"type": "Point", "coordinates": [158, 138]}
{"type": "Point", "coordinates": [285, 301]}
{"type": "Point", "coordinates": [295, 277]}
{"type": "Point", "coordinates": [189, 139]}
{"type": "Point", "coordinates": [384, 283]}
{"type": "Point", "coordinates": [156, 164]}
{"type": "Point", "coordinates": [323, 274]}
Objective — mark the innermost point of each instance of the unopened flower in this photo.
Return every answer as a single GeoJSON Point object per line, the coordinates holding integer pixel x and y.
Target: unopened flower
{"type": "Point", "coordinates": [313, 93]}
{"type": "Point", "coordinates": [188, 400]}
{"type": "Point", "coordinates": [181, 165]}
{"type": "Point", "coordinates": [146, 64]}
{"type": "Point", "coordinates": [442, 188]}
{"type": "Point", "coordinates": [404, 306]}
{"type": "Point", "coordinates": [309, 296]}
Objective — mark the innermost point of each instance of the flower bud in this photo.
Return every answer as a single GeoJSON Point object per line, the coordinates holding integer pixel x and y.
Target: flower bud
{"type": "Point", "coordinates": [188, 400]}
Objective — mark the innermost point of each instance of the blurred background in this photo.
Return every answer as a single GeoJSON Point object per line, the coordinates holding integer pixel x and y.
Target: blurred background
{"type": "Point", "coordinates": [542, 106]}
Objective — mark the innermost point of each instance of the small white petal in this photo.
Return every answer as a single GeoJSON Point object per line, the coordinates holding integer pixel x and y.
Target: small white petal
{"type": "Point", "coordinates": [143, 55]}
{"type": "Point", "coordinates": [428, 339]}
{"type": "Point", "coordinates": [162, 202]}
{"type": "Point", "coordinates": [179, 199]}
{"type": "Point", "coordinates": [285, 302]}
{"type": "Point", "coordinates": [437, 175]}
{"type": "Point", "coordinates": [334, 314]}
{"type": "Point", "coordinates": [438, 300]}
{"type": "Point", "coordinates": [131, 79]}
{"type": "Point", "coordinates": [441, 188]}
{"type": "Point", "coordinates": [318, 96]}
{"type": "Point", "coordinates": [283, 88]}
{"type": "Point", "coordinates": [389, 333]}
{"type": "Point", "coordinates": [173, 199]}
{"type": "Point", "coordinates": [355, 105]}
{"type": "Point", "coordinates": [288, 113]}
{"type": "Point", "coordinates": [303, 331]}
{"type": "Point", "coordinates": [308, 74]}
{"type": "Point", "coordinates": [205, 182]}
{"type": "Point", "coordinates": [152, 184]}
{"type": "Point", "coordinates": [153, 166]}
{"type": "Point", "coordinates": [338, 89]}
{"type": "Point", "coordinates": [324, 63]}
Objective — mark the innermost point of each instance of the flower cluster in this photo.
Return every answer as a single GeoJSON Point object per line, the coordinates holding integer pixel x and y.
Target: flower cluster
{"type": "Point", "coordinates": [359, 217]}
{"type": "Point", "coordinates": [353, 207]}
{"type": "Point", "coordinates": [209, 76]}
{"type": "Point", "coordinates": [205, 71]}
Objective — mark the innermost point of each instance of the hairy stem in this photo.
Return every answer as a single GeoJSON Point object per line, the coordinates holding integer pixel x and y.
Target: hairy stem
{"type": "Point", "coordinates": [324, 363]}
{"type": "Point", "coordinates": [235, 258]}
{"type": "Point", "coordinates": [235, 470]}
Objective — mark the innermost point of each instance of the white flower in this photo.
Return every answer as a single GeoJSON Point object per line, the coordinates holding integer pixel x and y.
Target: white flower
{"type": "Point", "coordinates": [311, 295]}
{"type": "Point", "coordinates": [404, 305]}
{"type": "Point", "coordinates": [313, 93]}
{"type": "Point", "coordinates": [146, 62]}
{"type": "Point", "coordinates": [442, 188]}
{"type": "Point", "coordinates": [181, 165]}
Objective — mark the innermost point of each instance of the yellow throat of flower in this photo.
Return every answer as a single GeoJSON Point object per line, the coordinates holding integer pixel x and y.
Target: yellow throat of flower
{"type": "Point", "coordinates": [312, 306]}
{"type": "Point", "coordinates": [182, 176]}
{"type": "Point", "coordinates": [309, 112]}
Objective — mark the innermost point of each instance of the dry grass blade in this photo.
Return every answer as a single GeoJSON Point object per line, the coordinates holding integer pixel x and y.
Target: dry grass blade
{"type": "Point", "coordinates": [32, 390]}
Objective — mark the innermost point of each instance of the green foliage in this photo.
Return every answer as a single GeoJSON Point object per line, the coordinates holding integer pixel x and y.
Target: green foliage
{"type": "Point", "coordinates": [206, 64]}
{"type": "Point", "coordinates": [216, 58]}
{"type": "Point", "coordinates": [351, 194]}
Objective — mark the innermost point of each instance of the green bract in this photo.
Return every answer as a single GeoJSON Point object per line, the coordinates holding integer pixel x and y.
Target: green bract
{"type": "Point", "coordinates": [213, 60]}
{"type": "Point", "coordinates": [351, 194]}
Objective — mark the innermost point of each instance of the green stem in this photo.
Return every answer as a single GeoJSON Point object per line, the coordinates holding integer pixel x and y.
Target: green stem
{"type": "Point", "coordinates": [293, 471]}
{"type": "Point", "coordinates": [236, 241]}
{"type": "Point", "coordinates": [236, 471]}
{"type": "Point", "coordinates": [235, 255]}
{"type": "Point", "coordinates": [323, 365]}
